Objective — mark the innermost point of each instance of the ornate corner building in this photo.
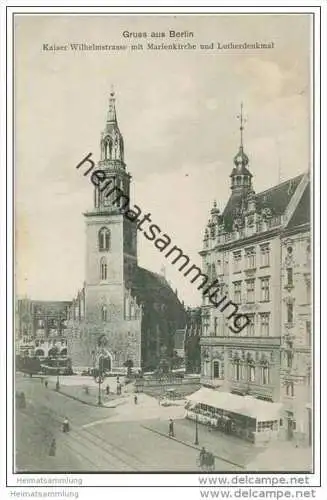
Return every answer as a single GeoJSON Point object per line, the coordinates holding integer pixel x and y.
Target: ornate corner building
{"type": "Point", "coordinates": [130, 313]}
{"type": "Point", "coordinates": [40, 326]}
{"type": "Point", "coordinates": [258, 251]}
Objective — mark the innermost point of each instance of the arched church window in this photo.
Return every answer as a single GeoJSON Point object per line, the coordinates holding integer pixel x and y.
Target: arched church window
{"type": "Point", "coordinates": [104, 313]}
{"type": "Point", "coordinates": [104, 239]}
{"type": "Point", "coordinates": [103, 269]}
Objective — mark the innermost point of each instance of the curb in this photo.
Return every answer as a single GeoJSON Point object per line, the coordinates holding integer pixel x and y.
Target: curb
{"type": "Point", "coordinates": [192, 446]}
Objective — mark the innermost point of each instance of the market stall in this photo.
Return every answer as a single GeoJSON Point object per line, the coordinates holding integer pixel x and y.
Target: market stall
{"type": "Point", "coordinates": [244, 416]}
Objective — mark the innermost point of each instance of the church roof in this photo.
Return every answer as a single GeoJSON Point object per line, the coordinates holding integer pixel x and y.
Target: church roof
{"type": "Point", "coordinates": [151, 288]}
{"type": "Point", "coordinates": [276, 199]}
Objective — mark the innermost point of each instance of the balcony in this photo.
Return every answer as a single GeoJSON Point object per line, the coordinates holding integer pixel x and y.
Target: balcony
{"type": "Point", "coordinates": [241, 341]}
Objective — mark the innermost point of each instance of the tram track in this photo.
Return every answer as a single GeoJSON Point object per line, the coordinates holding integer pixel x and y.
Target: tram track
{"type": "Point", "coordinates": [79, 438]}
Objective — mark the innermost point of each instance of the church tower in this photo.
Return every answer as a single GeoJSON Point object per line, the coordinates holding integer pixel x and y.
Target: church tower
{"type": "Point", "coordinates": [111, 252]}
{"type": "Point", "coordinates": [125, 315]}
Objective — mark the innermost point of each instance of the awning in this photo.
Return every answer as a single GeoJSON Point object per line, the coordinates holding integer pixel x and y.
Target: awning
{"type": "Point", "coordinates": [243, 405]}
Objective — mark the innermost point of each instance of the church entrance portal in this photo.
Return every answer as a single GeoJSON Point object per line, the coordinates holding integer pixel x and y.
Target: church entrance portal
{"type": "Point", "coordinates": [107, 364]}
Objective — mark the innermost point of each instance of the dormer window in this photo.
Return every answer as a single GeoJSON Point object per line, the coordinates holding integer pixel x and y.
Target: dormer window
{"type": "Point", "coordinates": [104, 239]}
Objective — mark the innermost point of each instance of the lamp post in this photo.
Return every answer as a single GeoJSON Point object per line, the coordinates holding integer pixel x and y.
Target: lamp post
{"type": "Point", "coordinates": [196, 440]}
{"type": "Point", "coordinates": [99, 377]}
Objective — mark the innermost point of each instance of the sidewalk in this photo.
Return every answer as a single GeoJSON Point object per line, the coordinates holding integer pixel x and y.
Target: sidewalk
{"type": "Point", "coordinates": [227, 448]}
{"type": "Point", "coordinates": [283, 456]}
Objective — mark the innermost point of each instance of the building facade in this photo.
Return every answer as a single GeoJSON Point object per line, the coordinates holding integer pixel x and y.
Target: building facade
{"type": "Point", "coordinates": [296, 346]}
{"type": "Point", "coordinates": [40, 325]}
{"type": "Point", "coordinates": [192, 340]}
{"type": "Point", "coordinates": [125, 312]}
{"type": "Point", "coordinates": [247, 252]}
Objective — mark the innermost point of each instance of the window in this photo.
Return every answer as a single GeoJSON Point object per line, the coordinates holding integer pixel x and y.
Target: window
{"type": "Point", "coordinates": [265, 289]}
{"type": "Point", "coordinates": [216, 369]}
{"type": "Point", "coordinates": [308, 333]}
{"type": "Point", "coordinates": [265, 374]}
{"type": "Point", "coordinates": [215, 325]}
{"type": "Point", "coordinates": [265, 255]}
{"type": "Point", "coordinates": [237, 261]}
{"type": "Point", "coordinates": [270, 425]}
{"type": "Point", "coordinates": [237, 369]}
{"type": "Point", "coordinates": [289, 274]}
{"type": "Point", "coordinates": [103, 269]}
{"type": "Point", "coordinates": [289, 358]}
{"type": "Point", "coordinates": [250, 327]}
{"type": "Point", "coordinates": [213, 272]}
{"type": "Point", "coordinates": [205, 323]}
{"type": "Point", "coordinates": [308, 254]}
{"type": "Point", "coordinates": [104, 239]}
{"type": "Point", "coordinates": [308, 291]}
{"type": "Point", "coordinates": [290, 389]}
{"type": "Point", "coordinates": [250, 290]}
{"type": "Point", "coordinates": [237, 292]}
{"type": "Point", "coordinates": [104, 313]}
{"type": "Point", "coordinates": [251, 371]}
{"type": "Point", "coordinates": [225, 263]}
{"type": "Point", "coordinates": [250, 258]}
{"type": "Point", "coordinates": [290, 311]}
{"type": "Point", "coordinates": [264, 324]}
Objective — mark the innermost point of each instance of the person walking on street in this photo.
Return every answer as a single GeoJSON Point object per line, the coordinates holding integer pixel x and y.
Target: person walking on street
{"type": "Point", "coordinates": [171, 428]}
{"type": "Point", "coordinates": [65, 426]}
{"type": "Point", "coordinates": [46, 384]}
{"type": "Point", "coordinates": [202, 457]}
{"type": "Point", "coordinates": [53, 447]}
{"type": "Point", "coordinates": [135, 399]}
{"type": "Point", "coordinates": [107, 390]}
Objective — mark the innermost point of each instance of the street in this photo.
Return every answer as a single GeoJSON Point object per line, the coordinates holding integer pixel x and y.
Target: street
{"type": "Point", "coordinates": [121, 439]}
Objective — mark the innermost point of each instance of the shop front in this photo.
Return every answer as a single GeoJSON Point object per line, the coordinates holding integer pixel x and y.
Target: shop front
{"type": "Point", "coordinates": [251, 419]}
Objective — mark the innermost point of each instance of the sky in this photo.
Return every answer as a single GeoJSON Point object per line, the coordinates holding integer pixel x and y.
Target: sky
{"type": "Point", "coordinates": [177, 111]}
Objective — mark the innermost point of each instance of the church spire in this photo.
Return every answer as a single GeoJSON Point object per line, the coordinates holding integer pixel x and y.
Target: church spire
{"type": "Point", "coordinates": [112, 143]}
{"type": "Point", "coordinates": [241, 176]}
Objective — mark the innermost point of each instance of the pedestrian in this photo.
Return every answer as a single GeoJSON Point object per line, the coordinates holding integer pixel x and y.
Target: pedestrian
{"type": "Point", "coordinates": [202, 457]}
{"type": "Point", "coordinates": [171, 428]}
{"type": "Point", "coordinates": [22, 400]}
{"type": "Point", "coordinates": [57, 386]}
{"type": "Point", "coordinates": [52, 450]}
{"type": "Point", "coordinates": [46, 384]}
{"type": "Point", "coordinates": [65, 426]}
{"type": "Point", "coordinates": [135, 399]}
{"type": "Point", "coordinates": [107, 390]}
